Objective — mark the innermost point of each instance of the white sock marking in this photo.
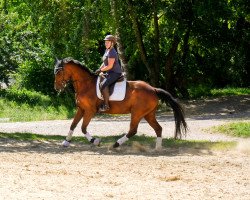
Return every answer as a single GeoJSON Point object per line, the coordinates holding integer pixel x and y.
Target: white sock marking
{"type": "Point", "coordinates": [122, 140]}
{"type": "Point", "coordinates": [158, 143]}
{"type": "Point", "coordinates": [88, 136]}
{"type": "Point", "coordinates": [69, 136]}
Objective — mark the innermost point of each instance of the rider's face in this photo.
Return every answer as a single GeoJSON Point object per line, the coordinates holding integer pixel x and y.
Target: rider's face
{"type": "Point", "coordinates": [108, 44]}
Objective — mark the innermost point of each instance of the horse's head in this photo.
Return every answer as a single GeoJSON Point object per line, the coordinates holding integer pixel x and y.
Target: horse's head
{"type": "Point", "coordinates": [70, 69]}
{"type": "Point", "coordinates": [61, 76]}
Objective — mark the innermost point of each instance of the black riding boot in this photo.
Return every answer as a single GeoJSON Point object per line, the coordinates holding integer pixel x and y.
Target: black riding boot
{"type": "Point", "coordinates": [105, 93]}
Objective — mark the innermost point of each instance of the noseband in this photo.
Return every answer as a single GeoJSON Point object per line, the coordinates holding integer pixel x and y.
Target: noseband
{"type": "Point", "coordinates": [59, 67]}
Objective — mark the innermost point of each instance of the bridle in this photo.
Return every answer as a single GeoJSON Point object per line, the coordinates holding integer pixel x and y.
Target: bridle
{"type": "Point", "coordinates": [65, 82]}
{"type": "Point", "coordinates": [59, 68]}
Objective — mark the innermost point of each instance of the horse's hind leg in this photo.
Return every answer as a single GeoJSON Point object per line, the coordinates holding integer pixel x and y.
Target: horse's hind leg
{"type": "Point", "coordinates": [132, 131]}
{"type": "Point", "coordinates": [151, 119]}
{"type": "Point", "coordinates": [77, 118]}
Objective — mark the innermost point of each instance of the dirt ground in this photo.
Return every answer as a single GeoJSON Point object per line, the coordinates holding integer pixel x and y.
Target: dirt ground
{"type": "Point", "coordinates": [46, 170]}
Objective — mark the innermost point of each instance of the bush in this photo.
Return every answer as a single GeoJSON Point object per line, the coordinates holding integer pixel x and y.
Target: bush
{"type": "Point", "coordinates": [33, 98]}
{"type": "Point", "coordinates": [230, 91]}
{"type": "Point", "coordinates": [36, 75]}
{"type": "Point", "coordinates": [199, 91]}
{"type": "Point", "coordinates": [202, 91]}
{"type": "Point", "coordinates": [25, 105]}
{"type": "Point", "coordinates": [25, 96]}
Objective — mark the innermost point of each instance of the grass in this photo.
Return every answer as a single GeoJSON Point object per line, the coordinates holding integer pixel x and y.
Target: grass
{"type": "Point", "coordinates": [230, 91]}
{"type": "Point", "coordinates": [25, 105]}
{"type": "Point", "coordinates": [24, 112]}
{"type": "Point", "coordinates": [237, 129]}
{"type": "Point", "coordinates": [108, 140]}
{"type": "Point", "coordinates": [202, 91]}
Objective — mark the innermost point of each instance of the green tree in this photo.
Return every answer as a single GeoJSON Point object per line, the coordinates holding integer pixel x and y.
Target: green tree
{"type": "Point", "coordinates": [171, 44]}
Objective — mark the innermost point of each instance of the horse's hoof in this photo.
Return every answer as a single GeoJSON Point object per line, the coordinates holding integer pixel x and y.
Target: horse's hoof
{"type": "Point", "coordinates": [65, 143]}
{"type": "Point", "coordinates": [116, 145]}
{"type": "Point", "coordinates": [97, 142]}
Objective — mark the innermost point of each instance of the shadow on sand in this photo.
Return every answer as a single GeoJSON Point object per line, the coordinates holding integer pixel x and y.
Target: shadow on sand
{"type": "Point", "coordinates": [138, 145]}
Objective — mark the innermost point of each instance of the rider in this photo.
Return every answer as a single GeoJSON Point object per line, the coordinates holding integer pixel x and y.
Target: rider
{"type": "Point", "coordinates": [111, 67]}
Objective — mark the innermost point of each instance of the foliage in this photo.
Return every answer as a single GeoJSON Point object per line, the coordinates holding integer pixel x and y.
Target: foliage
{"type": "Point", "coordinates": [25, 96]}
{"type": "Point", "coordinates": [36, 75]}
{"type": "Point", "coordinates": [24, 112]}
{"type": "Point", "coordinates": [202, 91]}
{"type": "Point", "coordinates": [15, 39]}
{"type": "Point", "coordinates": [211, 40]}
{"type": "Point", "coordinates": [230, 91]}
{"type": "Point", "coordinates": [238, 129]}
{"type": "Point", "coordinates": [199, 91]}
{"type": "Point", "coordinates": [26, 105]}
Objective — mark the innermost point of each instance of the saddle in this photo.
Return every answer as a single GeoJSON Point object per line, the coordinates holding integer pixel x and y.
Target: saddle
{"type": "Point", "coordinates": [117, 90]}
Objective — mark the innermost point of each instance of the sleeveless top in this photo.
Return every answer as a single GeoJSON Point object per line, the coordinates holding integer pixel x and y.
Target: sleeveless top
{"type": "Point", "coordinates": [112, 54]}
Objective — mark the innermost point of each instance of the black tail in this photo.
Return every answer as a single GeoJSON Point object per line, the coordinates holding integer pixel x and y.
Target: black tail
{"type": "Point", "coordinates": [180, 123]}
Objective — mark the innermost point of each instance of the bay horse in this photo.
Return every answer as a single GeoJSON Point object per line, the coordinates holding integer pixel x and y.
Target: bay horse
{"type": "Point", "coordinates": [141, 100]}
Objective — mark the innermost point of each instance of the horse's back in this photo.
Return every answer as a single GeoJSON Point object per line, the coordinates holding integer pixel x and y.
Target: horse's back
{"type": "Point", "coordinates": [142, 93]}
{"type": "Point", "coordinates": [141, 85]}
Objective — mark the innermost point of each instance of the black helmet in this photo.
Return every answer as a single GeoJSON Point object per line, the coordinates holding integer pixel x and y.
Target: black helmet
{"type": "Point", "coordinates": [110, 38]}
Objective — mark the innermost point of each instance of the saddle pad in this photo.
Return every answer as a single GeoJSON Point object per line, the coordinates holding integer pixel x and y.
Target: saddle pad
{"type": "Point", "coordinates": [119, 90]}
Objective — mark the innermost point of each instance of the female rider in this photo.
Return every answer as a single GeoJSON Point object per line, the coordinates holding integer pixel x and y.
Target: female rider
{"type": "Point", "coordinates": [111, 67]}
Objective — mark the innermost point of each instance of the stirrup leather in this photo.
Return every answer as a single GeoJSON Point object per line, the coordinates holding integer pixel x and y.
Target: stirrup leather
{"type": "Point", "coordinates": [104, 108]}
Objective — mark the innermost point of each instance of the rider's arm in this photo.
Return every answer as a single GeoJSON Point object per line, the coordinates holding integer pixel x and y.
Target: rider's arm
{"type": "Point", "coordinates": [111, 62]}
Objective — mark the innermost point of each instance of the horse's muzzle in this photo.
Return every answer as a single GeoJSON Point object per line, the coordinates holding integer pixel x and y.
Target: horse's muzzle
{"type": "Point", "coordinates": [59, 87]}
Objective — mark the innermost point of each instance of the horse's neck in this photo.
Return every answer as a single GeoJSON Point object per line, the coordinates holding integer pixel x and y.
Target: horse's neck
{"type": "Point", "coordinates": [81, 79]}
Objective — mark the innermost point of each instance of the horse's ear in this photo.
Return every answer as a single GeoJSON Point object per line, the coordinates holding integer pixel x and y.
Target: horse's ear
{"type": "Point", "coordinates": [57, 60]}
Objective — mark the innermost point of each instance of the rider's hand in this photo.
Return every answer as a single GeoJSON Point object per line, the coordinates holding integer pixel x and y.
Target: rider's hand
{"type": "Point", "coordinates": [98, 71]}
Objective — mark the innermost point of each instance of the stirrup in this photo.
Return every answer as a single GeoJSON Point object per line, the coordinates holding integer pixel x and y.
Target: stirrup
{"type": "Point", "coordinates": [104, 108]}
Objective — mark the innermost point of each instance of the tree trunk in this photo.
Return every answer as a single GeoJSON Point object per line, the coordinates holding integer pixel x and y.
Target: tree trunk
{"type": "Point", "coordinates": [86, 36]}
{"type": "Point", "coordinates": [181, 79]}
{"type": "Point", "coordinates": [156, 43]}
{"type": "Point", "coordinates": [140, 43]}
{"type": "Point", "coordinates": [120, 47]}
{"type": "Point", "coordinates": [122, 56]}
{"type": "Point", "coordinates": [169, 66]}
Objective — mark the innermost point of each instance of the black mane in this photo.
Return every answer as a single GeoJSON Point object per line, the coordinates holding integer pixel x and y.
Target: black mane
{"type": "Point", "coordinates": [60, 64]}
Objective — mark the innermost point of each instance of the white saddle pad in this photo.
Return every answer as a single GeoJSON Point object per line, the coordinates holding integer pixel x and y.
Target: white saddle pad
{"type": "Point", "coordinates": [119, 91]}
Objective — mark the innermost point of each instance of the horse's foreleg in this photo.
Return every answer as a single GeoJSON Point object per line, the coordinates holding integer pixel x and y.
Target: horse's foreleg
{"type": "Point", "coordinates": [77, 118]}
{"type": "Point", "coordinates": [132, 131]}
{"type": "Point", "coordinates": [86, 119]}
